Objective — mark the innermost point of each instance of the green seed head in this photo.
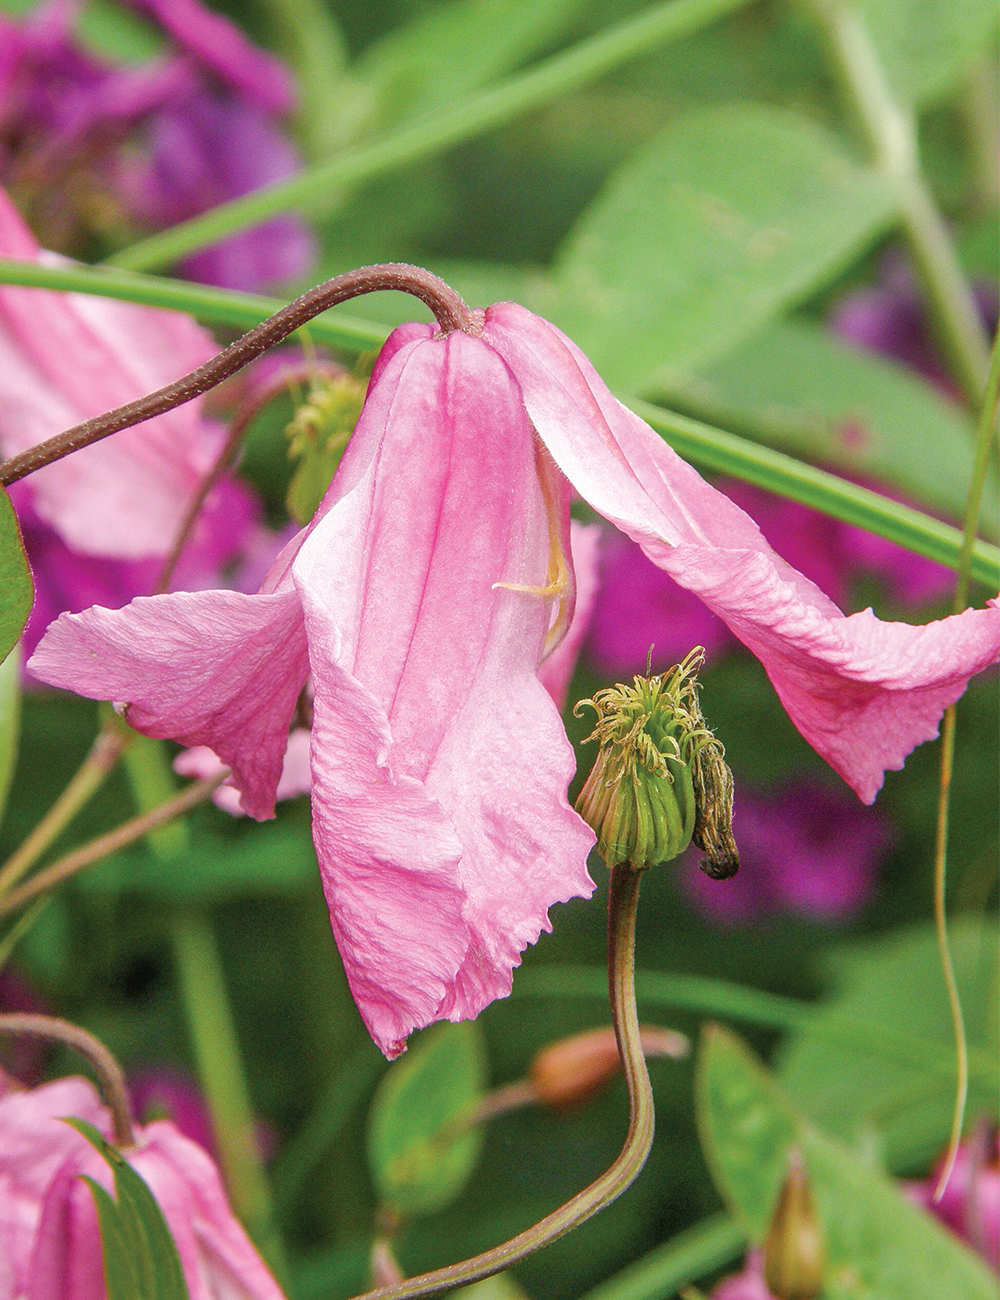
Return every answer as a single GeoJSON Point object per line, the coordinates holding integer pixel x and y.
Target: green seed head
{"type": "Point", "coordinates": [659, 776]}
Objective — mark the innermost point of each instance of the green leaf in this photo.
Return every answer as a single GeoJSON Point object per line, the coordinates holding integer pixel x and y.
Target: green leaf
{"type": "Point", "coordinates": [121, 1277]}
{"type": "Point", "coordinates": [138, 1244]}
{"type": "Point", "coordinates": [10, 721]}
{"type": "Point", "coordinates": [420, 1155]}
{"type": "Point", "coordinates": [879, 1246]}
{"type": "Point", "coordinates": [16, 589]}
{"type": "Point", "coordinates": [683, 1259]}
{"type": "Point", "coordinates": [719, 222]}
{"type": "Point", "coordinates": [797, 387]}
{"type": "Point", "coordinates": [453, 49]}
{"type": "Point", "coordinates": [925, 45]}
{"type": "Point", "coordinates": [893, 982]}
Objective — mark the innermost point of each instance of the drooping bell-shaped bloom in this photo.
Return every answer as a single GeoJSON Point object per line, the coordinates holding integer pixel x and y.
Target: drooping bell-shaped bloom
{"type": "Point", "coordinates": [50, 1241]}
{"type": "Point", "coordinates": [421, 601]}
{"type": "Point", "coordinates": [746, 1285]}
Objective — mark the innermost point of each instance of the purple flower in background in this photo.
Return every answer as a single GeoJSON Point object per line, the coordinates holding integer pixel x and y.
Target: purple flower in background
{"type": "Point", "coordinates": [891, 318]}
{"type": "Point", "coordinates": [160, 1092]}
{"type": "Point", "coordinates": [807, 849]}
{"type": "Point", "coordinates": [970, 1205]}
{"type": "Point", "coordinates": [90, 147]}
{"type": "Point", "coordinates": [639, 605]}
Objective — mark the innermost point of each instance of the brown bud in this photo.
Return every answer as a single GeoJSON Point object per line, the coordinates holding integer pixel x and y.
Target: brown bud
{"type": "Point", "coordinates": [794, 1253]}
{"type": "Point", "coordinates": [569, 1072]}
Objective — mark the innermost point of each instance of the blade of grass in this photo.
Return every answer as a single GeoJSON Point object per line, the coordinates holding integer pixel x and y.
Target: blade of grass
{"type": "Point", "coordinates": [689, 1255]}
{"type": "Point", "coordinates": [702, 444]}
{"type": "Point", "coordinates": [323, 185]}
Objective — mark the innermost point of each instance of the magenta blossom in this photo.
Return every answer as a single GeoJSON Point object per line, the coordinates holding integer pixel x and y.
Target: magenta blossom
{"type": "Point", "coordinates": [808, 849]}
{"type": "Point", "coordinates": [50, 1241]}
{"type": "Point", "coordinates": [422, 599]}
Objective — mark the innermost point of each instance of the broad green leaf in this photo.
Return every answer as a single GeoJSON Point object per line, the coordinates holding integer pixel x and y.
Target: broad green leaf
{"type": "Point", "coordinates": [453, 49]}
{"type": "Point", "coordinates": [797, 387]}
{"type": "Point", "coordinates": [16, 590]}
{"type": "Point", "coordinates": [114, 32]}
{"type": "Point", "coordinates": [137, 1231]}
{"type": "Point", "coordinates": [420, 1154]}
{"type": "Point", "coordinates": [714, 226]}
{"type": "Point", "coordinates": [10, 721]}
{"type": "Point", "coordinates": [925, 45]}
{"type": "Point", "coordinates": [894, 982]}
{"type": "Point", "coordinates": [879, 1246]}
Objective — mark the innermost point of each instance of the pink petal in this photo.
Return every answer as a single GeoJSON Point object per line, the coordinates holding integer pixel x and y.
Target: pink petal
{"type": "Point", "coordinates": [201, 762]}
{"type": "Point", "coordinates": [214, 668]}
{"type": "Point", "coordinates": [428, 670]}
{"type": "Point", "coordinates": [862, 692]}
{"type": "Point", "coordinates": [219, 1259]}
{"type": "Point", "coordinates": [557, 668]}
{"type": "Point", "coordinates": [66, 357]}
{"type": "Point", "coordinates": [34, 1144]}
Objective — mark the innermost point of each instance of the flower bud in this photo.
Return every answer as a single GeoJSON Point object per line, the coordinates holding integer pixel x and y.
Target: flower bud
{"type": "Point", "coordinates": [569, 1072]}
{"type": "Point", "coordinates": [794, 1253]}
{"type": "Point", "coordinates": [318, 434]}
{"type": "Point", "coordinates": [659, 778]}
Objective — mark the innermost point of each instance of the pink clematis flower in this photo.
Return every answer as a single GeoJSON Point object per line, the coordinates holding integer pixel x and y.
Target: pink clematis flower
{"type": "Point", "coordinates": [50, 1243]}
{"type": "Point", "coordinates": [65, 357]}
{"type": "Point", "coordinates": [422, 599]}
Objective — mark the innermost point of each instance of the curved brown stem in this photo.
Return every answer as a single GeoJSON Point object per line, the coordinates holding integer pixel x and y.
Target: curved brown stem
{"type": "Point", "coordinates": [449, 310]}
{"type": "Point", "coordinates": [110, 1076]}
{"type": "Point", "coordinates": [623, 900]}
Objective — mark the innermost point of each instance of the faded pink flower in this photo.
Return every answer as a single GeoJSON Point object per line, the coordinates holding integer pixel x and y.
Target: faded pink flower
{"type": "Point", "coordinates": [50, 1243]}
{"type": "Point", "coordinates": [97, 525]}
{"type": "Point", "coordinates": [65, 357]}
{"type": "Point", "coordinates": [422, 599]}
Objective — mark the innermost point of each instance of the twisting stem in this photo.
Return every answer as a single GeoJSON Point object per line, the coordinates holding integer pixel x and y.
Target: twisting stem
{"type": "Point", "coordinates": [890, 132]}
{"type": "Point", "coordinates": [110, 1075]}
{"type": "Point", "coordinates": [984, 442]}
{"type": "Point", "coordinates": [123, 835]}
{"type": "Point", "coordinates": [85, 782]}
{"type": "Point", "coordinates": [623, 900]}
{"type": "Point", "coordinates": [448, 307]}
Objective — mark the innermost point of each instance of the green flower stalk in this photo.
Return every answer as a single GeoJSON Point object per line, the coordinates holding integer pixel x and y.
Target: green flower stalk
{"type": "Point", "coordinates": [660, 779]}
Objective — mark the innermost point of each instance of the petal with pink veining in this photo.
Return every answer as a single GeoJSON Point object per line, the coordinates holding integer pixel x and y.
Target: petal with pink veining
{"type": "Point", "coordinates": [214, 668]}
{"type": "Point", "coordinates": [426, 584]}
{"type": "Point", "coordinates": [863, 692]}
